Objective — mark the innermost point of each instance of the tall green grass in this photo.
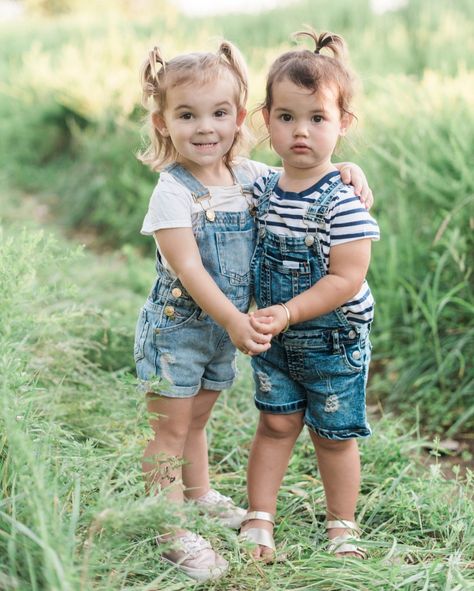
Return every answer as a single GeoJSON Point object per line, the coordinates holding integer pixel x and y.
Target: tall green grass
{"type": "Point", "coordinates": [73, 513]}
{"type": "Point", "coordinates": [417, 143]}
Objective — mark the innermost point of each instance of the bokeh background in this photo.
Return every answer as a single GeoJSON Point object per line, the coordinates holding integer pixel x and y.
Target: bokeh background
{"type": "Point", "coordinates": [74, 271]}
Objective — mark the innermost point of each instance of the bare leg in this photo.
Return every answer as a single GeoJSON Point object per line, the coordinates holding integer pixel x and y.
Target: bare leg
{"type": "Point", "coordinates": [196, 467]}
{"type": "Point", "coordinates": [268, 461]}
{"type": "Point", "coordinates": [339, 466]}
{"type": "Point", "coordinates": [163, 456]}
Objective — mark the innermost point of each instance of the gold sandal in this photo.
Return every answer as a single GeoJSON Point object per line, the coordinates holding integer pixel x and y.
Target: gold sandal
{"type": "Point", "coordinates": [345, 542]}
{"type": "Point", "coordinates": [258, 535]}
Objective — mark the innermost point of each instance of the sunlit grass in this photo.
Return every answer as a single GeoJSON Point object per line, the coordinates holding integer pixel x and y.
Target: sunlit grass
{"type": "Point", "coordinates": [74, 514]}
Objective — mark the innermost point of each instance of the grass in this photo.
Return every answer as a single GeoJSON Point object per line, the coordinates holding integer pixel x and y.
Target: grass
{"type": "Point", "coordinates": [73, 513]}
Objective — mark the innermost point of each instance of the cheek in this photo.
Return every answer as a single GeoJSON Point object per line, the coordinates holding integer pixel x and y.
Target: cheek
{"type": "Point", "coordinates": [278, 134]}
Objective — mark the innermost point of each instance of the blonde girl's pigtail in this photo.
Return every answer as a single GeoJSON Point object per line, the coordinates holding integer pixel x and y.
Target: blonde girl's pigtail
{"type": "Point", "coordinates": [159, 149]}
{"type": "Point", "coordinates": [234, 58]}
{"type": "Point", "coordinates": [149, 75]}
{"type": "Point", "coordinates": [330, 41]}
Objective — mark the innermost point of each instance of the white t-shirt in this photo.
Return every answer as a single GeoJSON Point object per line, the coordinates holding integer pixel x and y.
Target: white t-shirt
{"type": "Point", "coordinates": [172, 205]}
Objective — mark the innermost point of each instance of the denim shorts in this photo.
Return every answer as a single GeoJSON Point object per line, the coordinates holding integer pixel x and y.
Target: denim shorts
{"type": "Point", "coordinates": [322, 372]}
{"type": "Point", "coordinates": [177, 355]}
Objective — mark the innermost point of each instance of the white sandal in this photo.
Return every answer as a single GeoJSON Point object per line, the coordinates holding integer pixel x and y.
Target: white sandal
{"type": "Point", "coordinates": [345, 542]}
{"type": "Point", "coordinates": [258, 535]}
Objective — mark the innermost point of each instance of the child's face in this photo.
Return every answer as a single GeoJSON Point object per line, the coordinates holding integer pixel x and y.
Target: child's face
{"type": "Point", "coordinates": [201, 121]}
{"type": "Point", "coordinates": [304, 127]}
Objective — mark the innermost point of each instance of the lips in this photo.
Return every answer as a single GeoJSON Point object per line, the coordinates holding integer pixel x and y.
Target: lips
{"type": "Point", "coordinates": [300, 148]}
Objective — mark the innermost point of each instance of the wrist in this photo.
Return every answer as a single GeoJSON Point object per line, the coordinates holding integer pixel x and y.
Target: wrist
{"type": "Point", "coordinates": [287, 315]}
{"type": "Point", "coordinates": [231, 318]}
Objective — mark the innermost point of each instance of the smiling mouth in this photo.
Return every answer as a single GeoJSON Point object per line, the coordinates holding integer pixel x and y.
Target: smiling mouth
{"type": "Point", "coordinates": [204, 144]}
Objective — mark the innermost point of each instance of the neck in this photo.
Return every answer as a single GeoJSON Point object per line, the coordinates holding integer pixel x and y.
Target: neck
{"type": "Point", "coordinates": [214, 174]}
{"type": "Point", "coordinates": [298, 179]}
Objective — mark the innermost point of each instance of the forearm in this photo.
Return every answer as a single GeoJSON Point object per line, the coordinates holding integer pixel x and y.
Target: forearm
{"type": "Point", "coordinates": [206, 293]}
{"type": "Point", "coordinates": [330, 292]}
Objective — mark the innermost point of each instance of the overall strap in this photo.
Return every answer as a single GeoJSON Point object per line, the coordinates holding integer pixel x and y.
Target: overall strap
{"type": "Point", "coordinates": [318, 210]}
{"type": "Point", "coordinates": [263, 204]}
{"type": "Point", "coordinates": [198, 191]}
{"type": "Point", "coordinates": [243, 179]}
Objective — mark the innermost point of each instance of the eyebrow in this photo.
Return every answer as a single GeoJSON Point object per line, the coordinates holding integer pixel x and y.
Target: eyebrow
{"type": "Point", "coordinates": [216, 106]}
{"type": "Point", "coordinates": [285, 110]}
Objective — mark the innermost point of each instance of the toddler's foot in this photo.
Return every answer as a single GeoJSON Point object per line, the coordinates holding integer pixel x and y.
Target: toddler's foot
{"type": "Point", "coordinates": [343, 539]}
{"type": "Point", "coordinates": [194, 556]}
{"type": "Point", "coordinates": [259, 532]}
{"type": "Point", "coordinates": [221, 507]}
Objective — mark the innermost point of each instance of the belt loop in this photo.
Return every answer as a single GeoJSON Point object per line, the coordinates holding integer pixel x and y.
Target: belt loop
{"type": "Point", "coordinates": [335, 341]}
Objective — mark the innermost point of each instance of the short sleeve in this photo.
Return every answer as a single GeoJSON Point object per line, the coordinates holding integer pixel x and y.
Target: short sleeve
{"type": "Point", "coordinates": [255, 169]}
{"type": "Point", "coordinates": [170, 206]}
{"type": "Point", "coordinates": [350, 221]}
{"type": "Point", "coordinates": [259, 186]}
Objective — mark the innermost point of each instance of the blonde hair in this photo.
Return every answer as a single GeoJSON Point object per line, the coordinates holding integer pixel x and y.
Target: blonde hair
{"type": "Point", "coordinates": [314, 70]}
{"type": "Point", "coordinates": [157, 75]}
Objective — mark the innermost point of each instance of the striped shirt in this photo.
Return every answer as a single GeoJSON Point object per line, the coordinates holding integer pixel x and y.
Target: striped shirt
{"type": "Point", "coordinates": [345, 221]}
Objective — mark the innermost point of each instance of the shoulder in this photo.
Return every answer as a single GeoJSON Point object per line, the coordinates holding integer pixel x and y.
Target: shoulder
{"type": "Point", "coordinates": [169, 187]}
{"type": "Point", "coordinates": [167, 182]}
{"type": "Point", "coordinates": [345, 200]}
{"type": "Point", "coordinates": [348, 218]}
{"type": "Point", "coordinates": [252, 168]}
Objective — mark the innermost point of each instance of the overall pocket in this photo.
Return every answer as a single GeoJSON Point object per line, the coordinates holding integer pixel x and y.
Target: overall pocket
{"type": "Point", "coordinates": [169, 316]}
{"type": "Point", "coordinates": [235, 251]}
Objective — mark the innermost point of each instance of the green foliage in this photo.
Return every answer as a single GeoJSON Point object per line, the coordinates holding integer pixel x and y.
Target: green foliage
{"type": "Point", "coordinates": [73, 514]}
{"type": "Point", "coordinates": [422, 269]}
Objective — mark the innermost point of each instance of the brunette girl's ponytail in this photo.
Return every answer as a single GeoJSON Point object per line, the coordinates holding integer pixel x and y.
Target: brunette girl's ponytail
{"type": "Point", "coordinates": [331, 41]}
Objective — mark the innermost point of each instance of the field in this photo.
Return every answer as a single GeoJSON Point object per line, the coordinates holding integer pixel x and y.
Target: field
{"type": "Point", "coordinates": [74, 272]}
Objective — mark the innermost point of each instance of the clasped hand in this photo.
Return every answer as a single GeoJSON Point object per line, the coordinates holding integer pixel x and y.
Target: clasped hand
{"type": "Point", "coordinates": [251, 333]}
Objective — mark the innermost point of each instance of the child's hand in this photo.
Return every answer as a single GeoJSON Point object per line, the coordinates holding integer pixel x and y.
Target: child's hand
{"type": "Point", "coordinates": [351, 174]}
{"type": "Point", "coordinates": [273, 318]}
{"type": "Point", "coordinates": [250, 338]}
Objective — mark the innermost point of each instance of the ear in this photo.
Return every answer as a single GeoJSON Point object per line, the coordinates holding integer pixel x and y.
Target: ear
{"type": "Point", "coordinates": [266, 116]}
{"type": "Point", "coordinates": [159, 123]}
{"type": "Point", "coordinates": [346, 121]}
{"type": "Point", "coordinates": [241, 114]}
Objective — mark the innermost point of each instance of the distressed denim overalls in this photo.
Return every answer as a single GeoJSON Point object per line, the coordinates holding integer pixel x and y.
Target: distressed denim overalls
{"type": "Point", "coordinates": [319, 366]}
{"type": "Point", "coordinates": [178, 347]}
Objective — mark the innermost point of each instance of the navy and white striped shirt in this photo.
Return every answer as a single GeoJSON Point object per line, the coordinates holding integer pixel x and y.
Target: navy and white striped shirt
{"type": "Point", "coordinates": [346, 220]}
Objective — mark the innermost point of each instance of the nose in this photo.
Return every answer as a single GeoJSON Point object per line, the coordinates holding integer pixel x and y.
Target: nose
{"type": "Point", "coordinates": [301, 129]}
{"type": "Point", "coordinates": [204, 125]}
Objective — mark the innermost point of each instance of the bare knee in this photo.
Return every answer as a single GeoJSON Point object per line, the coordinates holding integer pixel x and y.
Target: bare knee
{"type": "Point", "coordinates": [280, 426]}
{"type": "Point", "coordinates": [333, 445]}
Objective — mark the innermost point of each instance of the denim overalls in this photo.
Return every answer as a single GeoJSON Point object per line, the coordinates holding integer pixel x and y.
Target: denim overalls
{"type": "Point", "coordinates": [178, 347]}
{"type": "Point", "coordinates": [319, 366]}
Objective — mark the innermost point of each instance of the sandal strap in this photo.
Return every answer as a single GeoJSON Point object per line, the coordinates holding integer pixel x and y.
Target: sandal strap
{"type": "Point", "coordinates": [262, 515]}
{"type": "Point", "coordinates": [258, 536]}
{"type": "Point", "coordinates": [343, 524]}
{"type": "Point", "coordinates": [342, 545]}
